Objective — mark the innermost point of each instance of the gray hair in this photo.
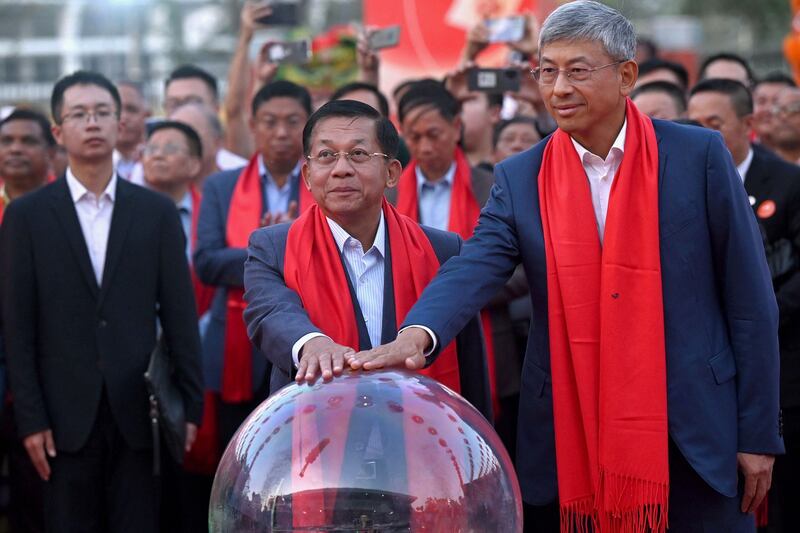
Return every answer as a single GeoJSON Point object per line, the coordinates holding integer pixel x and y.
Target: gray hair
{"type": "Point", "coordinates": [211, 118]}
{"type": "Point", "coordinates": [586, 20]}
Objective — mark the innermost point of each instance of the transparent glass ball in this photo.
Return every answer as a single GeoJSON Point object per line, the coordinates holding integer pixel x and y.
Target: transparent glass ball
{"type": "Point", "coordinates": [366, 452]}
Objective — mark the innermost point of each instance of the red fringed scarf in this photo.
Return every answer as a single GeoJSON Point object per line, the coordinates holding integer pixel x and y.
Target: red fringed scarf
{"type": "Point", "coordinates": [313, 269]}
{"type": "Point", "coordinates": [606, 325]}
{"type": "Point", "coordinates": [464, 213]}
{"type": "Point", "coordinates": [244, 216]}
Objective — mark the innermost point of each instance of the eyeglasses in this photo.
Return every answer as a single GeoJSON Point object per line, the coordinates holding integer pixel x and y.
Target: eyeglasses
{"type": "Point", "coordinates": [787, 110]}
{"type": "Point", "coordinates": [82, 115]}
{"type": "Point", "coordinates": [292, 122]}
{"type": "Point", "coordinates": [167, 149]}
{"type": "Point", "coordinates": [357, 156]}
{"type": "Point", "coordinates": [549, 75]}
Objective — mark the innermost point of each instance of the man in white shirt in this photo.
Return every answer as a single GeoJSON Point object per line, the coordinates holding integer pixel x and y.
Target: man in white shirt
{"type": "Point", "coordinates": [91, 264]}
{"type": "Point", "coordinates": [130, 140]}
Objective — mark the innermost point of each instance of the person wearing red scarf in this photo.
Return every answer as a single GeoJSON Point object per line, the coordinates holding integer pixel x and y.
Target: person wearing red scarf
{"type": "Point", "coordinates": [235, 203]}
{"type": "Point", "coordinates": [650, 386]}
{"type": "Point", "coordinates": [26, 150]}
{"type": "Point", "coordinates": [440, 189]}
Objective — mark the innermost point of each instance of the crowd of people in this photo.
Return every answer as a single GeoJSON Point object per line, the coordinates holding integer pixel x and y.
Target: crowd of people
{"type": "Point", "coordinates": [118, 226]}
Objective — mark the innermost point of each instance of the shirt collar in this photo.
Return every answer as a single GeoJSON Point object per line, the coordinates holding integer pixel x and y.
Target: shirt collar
{"type": "Point", "coordinates": [77, 190]}
{"type": "Point", "coordinates": [448, 177]}
{"type": "Point", "coordinates": [341, 236]}
{"type": "Point", "coordinates": [263, 171]}
{"type": "Point", "coordinates": [617, 147]}
{"type": "Point", "coordinates": [744, 166]}
{"type": "Point", "coordinates": [186, 203]}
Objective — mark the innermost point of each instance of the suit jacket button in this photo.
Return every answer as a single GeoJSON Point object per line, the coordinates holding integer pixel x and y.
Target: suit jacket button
{"type": "Point", "coordinates": [103, 323]}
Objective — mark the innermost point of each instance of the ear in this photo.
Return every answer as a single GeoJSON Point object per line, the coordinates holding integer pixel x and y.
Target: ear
{"type": "Point", "coordinates": [628, 73]}
{"type": "Point", "coordinates": [195, 164]}
{"type": "Point", "coordinates": [304, 174]}
{"type": "Point", "coordinates": [747, 122]}
{"type": "Point", "coordinates": [56, 129]}
{"type": "Point", "coordinates": [394, 170]}
{"type": "Point", "coordinates": [457, 123]}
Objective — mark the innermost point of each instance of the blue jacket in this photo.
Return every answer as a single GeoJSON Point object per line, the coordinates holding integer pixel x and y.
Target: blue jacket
{"type": "Point", "coordinates": [218, 265]}
{"type": "Point", "coordinates": [720, 314]}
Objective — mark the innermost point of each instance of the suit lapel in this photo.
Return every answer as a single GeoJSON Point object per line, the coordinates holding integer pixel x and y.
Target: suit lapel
{"type": "Point", "coordinates": [64, 210]}
{"type": "Point", "coordinates": [662, 161]}
{"type": "Point", "coordinates": [120, 222]}
{"type": "Point", "coordinates": [757, 177]}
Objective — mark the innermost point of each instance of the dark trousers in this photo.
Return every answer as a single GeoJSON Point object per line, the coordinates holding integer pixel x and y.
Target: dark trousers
{"type": "Point", "coordinates": [231, 415]}
{"type": "Point", "coordinates": [104, 487]}
{"type": "Point", "coordinates": [694, 507]}
{"type": "Point", "coordinates": [25, 487]}
{"type": "Point", "coordinates": [784, 497]}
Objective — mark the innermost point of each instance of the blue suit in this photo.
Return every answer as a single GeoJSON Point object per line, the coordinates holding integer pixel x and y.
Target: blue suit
{"type": "Point", "coordinates": [220, 266]}
{"type": "Point", "coordinates": [720, 314]}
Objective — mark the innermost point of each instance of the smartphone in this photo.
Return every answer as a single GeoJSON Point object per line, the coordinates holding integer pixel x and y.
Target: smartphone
{"type": "Point", "coordinates": [384, 38]}
{"type": "Point", "coordinates": [493, 80]}
{"type": "Point", "coordinates": [293, 52]}
{"type": "Point", "coordinates": [506, 29]}
{"type": "Point", "coordinates": [284, 13]}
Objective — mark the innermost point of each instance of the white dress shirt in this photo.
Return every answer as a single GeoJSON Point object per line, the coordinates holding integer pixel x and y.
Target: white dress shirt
{"type": "Point", "coordinates": [366, 273]}
{"type": "Point", "coordinates": [433, 198]}
{"type": "Point", "coordinates": [185, 213]}
{"type": "Point", "coordinates": [744, 166]}
{"type": "Point", "coordinates": [600, 173]}
{"type": "Point", "coordinates": [94, 215]}
{"type": "Point", "coordinates": [276, 198]}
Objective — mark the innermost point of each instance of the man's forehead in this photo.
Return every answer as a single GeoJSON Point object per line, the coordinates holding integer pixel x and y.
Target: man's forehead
{"type": "Point", "coordinates": [281, 106]}
{"type": "Point", "coordinates": [186, 86]}
{"type": "Point", "coordinates": [21, 126]}
{"type": "Point", "coordinates": [346, 129]}
{"type": "Point", "coordinates": [789, 95]}
{"type": "Point", "coordinates": [168, 135]}
{"type": "Point", "coordinates": [571, 51]}
{"type": "Point", "coordinates": [87, 95]}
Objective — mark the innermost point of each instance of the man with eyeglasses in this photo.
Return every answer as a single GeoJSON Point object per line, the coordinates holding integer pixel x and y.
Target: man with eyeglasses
{"type": "Point", "coordinates": [266, 191]}
{"type": "Point", "coordinates": [351, 243]}
{"type": "Point", "coordinates": [650, 383]}
{"type": "Point", "coordinates": [90, 265]}
{"type": "Point", "coordinates": [786, 134]}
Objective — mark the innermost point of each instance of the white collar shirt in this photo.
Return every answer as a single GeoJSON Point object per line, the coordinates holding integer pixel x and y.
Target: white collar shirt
{"type": "Point", "coordinates": [276, 199]}
{"type": "Point", "coordinates": [600, 173]}
{"type": "Point", "coordinates": [94, 214]}
{"type": "Point", "coordinates": [434, 198]}
{"type": "Point", "coordinates": [744, 166]}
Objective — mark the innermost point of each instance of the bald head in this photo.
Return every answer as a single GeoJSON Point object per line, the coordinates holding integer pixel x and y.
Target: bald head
{"type": "Point", "coordinates": [206, 123]}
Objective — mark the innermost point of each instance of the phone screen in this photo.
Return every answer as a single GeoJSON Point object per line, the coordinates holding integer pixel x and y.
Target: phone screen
{"type": "Point", "coordinates": [506, 30]}
{"type": "Point", "coordinates": [384, 38]}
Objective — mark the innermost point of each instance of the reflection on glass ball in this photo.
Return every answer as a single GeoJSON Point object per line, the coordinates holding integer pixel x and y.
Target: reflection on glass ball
{"type": "Point", "coordinates": [387, 451]}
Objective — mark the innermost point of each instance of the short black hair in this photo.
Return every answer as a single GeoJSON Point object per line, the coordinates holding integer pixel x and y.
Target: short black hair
{"type": "Point", "coordinates": [33, 116]}
{"type": "Point", "coordinates": [519, 119]}
{"type": "Point", "coordinates": [192, 138]}
{"type": "Point", "coordinates": [677, 94]}
{"type": "Point", "coordinates": [344, 90]}
{"type": "Point", "coordinates": [740, 95]}
{"type": "Point", "coordinates": [429, 93]}
{"type": "Point", "coordinates": [656, 63]}
{"type": "Point", "coordinates": [727, 56]}
{"type": "Point", "coordinates": [282, 88]}
{"type": "Point", "coordinates": [385, 132]}
{"type": "Point", "coordinates": [81, 77]}
{"type": "Point", "coordinates": [185, 72]}
{"type": "Point", "coordinates": [776, 76]}
{"type": "Point", "coordinates": [649, 45]}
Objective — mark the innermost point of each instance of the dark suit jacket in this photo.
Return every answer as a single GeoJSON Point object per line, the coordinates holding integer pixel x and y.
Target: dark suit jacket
{"type": "Point", "coordinates": [276, 319]}
{"type": "Point", "coordinates": [771, 178]}
{"type": "Point", "coordinates": [73, 340]}
{"type": "Point", "coordinates": [221, 266]}
{"type": "Point", "coordinates": [720, 315]}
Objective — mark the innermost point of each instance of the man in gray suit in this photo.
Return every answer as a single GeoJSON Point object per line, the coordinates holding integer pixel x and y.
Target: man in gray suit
{"type": "Point", "coordinates": [350, 154]}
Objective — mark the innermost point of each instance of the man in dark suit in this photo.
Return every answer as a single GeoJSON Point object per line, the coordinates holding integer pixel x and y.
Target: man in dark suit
{"type": "Point", "coordinates": [709, 349]}
{"type": "Point", "coordinates": [84, 330]}
{"type": "Point", "coordinates": [773, 187]}
{"type": "Point", "coordinates": [351, 159]}
{"type": "Point", "coordinates": [235, 203]}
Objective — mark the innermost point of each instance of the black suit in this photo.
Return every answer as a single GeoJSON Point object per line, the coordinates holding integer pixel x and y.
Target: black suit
{"type": "Point", "coordinates": [79, 351]}
{"type": "Point", "coordinates": [276, 319]}
{"type": "Point", "coordinates": [770, 178]}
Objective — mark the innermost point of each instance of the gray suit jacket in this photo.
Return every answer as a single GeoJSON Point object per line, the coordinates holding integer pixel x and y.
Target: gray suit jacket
{"type": "Point", "coordinates": [276, 319]}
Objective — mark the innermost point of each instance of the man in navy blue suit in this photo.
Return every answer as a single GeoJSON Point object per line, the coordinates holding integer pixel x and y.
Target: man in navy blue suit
{"type": "Point", "coordinates": [719, 322]}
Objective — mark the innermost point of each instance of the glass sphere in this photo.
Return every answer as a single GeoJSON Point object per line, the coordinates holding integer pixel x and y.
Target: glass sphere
{"type": "Point", "coordinates": [366, 452]}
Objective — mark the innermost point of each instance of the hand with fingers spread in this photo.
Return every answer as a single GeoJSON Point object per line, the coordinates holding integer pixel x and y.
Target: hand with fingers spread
{"type": "Point", "coordinates": [321, 356]}
{"type": "Point", "coordinates": [270, 219]}
{"type": "Point", "coordinates": [407, 350]}
{"type": "Point", "coordinates": [757, 471]}
{"type": "Point", "coordinates": [40, 446]}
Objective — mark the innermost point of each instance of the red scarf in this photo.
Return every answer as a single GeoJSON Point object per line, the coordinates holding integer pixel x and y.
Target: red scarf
{"type": "Point", "coordinates": [464, 213]}
{"type": "Point", "coordinates": [313, 269]}
{"type": "Point", "coordinates": [244, 216]}
{"type": "Point", "coordinates": [606, 325]}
